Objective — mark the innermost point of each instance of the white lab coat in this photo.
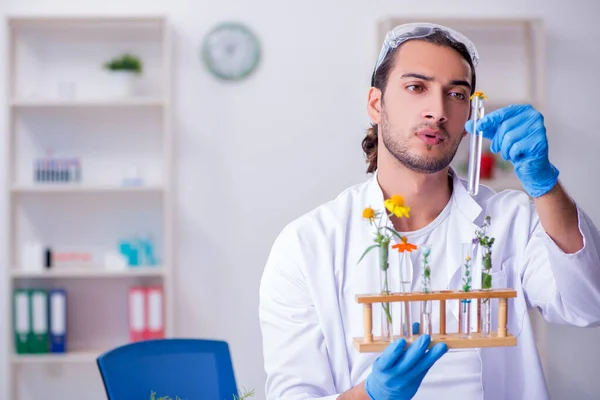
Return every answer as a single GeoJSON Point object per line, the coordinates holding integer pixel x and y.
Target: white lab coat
{"type": "Point", "coordinates": [308, 313]}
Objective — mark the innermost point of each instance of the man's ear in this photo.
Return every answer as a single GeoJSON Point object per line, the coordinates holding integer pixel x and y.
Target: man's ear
{"type": "Point", "coordinates": [374, 105]}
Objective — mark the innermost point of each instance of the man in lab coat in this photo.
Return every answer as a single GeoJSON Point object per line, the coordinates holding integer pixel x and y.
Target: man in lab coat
{"type": "Point", "coordinates": [546, 247]}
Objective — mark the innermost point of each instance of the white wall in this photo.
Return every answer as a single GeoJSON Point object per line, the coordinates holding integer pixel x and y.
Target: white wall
{"type": "Point", "coordinates": [251, 156]}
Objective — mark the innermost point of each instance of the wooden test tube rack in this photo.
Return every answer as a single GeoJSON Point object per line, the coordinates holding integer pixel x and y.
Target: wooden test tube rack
{"type": "Point", "coordinates": [499, 338]}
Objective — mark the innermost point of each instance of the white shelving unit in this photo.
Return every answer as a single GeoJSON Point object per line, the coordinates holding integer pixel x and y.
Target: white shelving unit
{"type": "Point", "coordinates": [74, 357]}
{"type": "Point", "coordinates": [511, 68]}
{"type": "Point", "coordinates": [61, 101]}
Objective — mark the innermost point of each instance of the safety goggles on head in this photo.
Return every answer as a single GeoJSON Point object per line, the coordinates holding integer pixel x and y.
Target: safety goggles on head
{"type": "Point", "coordinates": [416, 30]}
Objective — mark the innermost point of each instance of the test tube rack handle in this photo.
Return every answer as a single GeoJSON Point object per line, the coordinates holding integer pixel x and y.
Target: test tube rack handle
{"type": "Point", "coordinates": [498, 338]}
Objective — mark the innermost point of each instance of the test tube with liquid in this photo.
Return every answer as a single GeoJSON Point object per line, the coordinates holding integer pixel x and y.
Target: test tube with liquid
{"type": "Point", "coordinates": [476, 144]}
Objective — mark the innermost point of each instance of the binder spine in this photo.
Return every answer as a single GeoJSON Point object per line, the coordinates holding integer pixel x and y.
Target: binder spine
{"type": "Point", "coordinates": [22, 320]}
{"type": "Point", "coordinates": [39, 313]}
{"type": "Point", "coordinates": [137, 314]}
{"type": "Point", "coordinates": [155, 308]}
{"type": "Point", "coordinates": [58, 320]}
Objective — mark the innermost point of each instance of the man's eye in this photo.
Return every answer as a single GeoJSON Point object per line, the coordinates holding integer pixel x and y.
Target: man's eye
{"type": "Point", "coordinates": [459, 96]}
{"type": "Point", "coordinates": [415, 88]}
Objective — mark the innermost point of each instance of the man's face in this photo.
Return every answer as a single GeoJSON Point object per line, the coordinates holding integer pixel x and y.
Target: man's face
{"type": "Point", "coordinates": [422, 114]}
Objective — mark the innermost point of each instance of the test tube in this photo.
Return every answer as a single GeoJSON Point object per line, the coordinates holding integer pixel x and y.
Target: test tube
{"type": "Point", "coordinates": [478, 111]}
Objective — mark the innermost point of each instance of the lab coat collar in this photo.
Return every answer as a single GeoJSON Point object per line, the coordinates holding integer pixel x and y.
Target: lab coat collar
{"type": "Point", "coordinates": [467, 206]}
{"type": "Point", "coordinates": [465, 202]}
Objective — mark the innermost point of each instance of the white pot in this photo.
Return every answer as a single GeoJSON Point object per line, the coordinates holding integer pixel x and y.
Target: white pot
{"type": "Point", "coordinates": [119, 84]}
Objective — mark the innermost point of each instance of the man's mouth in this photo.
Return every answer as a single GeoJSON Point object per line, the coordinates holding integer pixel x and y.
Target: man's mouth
{"type": "Point", "coordinates": [430, 136]}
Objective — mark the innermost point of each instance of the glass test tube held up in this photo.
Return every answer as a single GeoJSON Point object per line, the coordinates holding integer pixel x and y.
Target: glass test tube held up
{"type": "Point", "coordinates": [476, 142]}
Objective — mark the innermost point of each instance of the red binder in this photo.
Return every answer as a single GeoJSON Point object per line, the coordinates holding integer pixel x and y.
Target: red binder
{"type": "Point", "coordinates": [137, 314]}
{"type": "Point", "coordinates": [155, 328]}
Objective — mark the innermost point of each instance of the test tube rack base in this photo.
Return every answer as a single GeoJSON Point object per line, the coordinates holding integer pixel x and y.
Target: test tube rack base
{"type": "Point", "coordinates": [477, 339]}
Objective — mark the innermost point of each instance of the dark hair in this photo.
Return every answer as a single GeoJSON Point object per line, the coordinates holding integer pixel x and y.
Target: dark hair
{"type": "Point", "coordinates": [380, 79]}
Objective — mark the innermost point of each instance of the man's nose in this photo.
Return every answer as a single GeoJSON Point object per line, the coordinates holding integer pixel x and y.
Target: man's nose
{"type": "Point", "coordinates": [436, 110]}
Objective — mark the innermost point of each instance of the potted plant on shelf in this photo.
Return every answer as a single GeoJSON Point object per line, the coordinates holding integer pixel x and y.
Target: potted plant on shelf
{"type": "Point", "coordinates": [123, 72]}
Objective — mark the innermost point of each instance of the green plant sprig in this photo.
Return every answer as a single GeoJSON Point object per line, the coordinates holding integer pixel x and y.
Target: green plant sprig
{"type": "Point", "coordinates": [486, 243]}
{"type": "Point", "coordinates": [467, 279]}
{"type": "Point", "coordinates": [153, 397]}
{"type": "Point", "coordinates": [245, 394]}
{"type": "Point", "coordinates": [125, 62]}
{"type": "Point", "coordinates": [426, 279]}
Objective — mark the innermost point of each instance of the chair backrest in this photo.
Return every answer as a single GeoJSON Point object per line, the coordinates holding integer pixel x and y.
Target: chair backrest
{"type": "Point", "coordinates": [191, 369]}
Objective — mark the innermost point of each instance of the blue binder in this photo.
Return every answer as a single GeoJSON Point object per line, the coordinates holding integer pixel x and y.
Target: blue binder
{"type": "Point", "coordinates": [57, 313]}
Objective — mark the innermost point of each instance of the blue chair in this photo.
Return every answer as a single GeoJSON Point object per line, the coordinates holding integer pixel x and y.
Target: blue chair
{"type": "Point", "coordinates": [191, 369]}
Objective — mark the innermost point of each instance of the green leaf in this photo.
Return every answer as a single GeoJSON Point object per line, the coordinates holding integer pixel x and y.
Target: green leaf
{"type": "Point", "coordinates": [386, 308]}
{"type": "Point", "coordinates": [244, 395]}
{"type": "Point", "coordinates": [486, 281]}
{"type": "Point", "coordinates": [366, 251]}
{"type": "Point", "coordinates": [487, 263]}
{"type": "Point", "coordinates": [383, 257]}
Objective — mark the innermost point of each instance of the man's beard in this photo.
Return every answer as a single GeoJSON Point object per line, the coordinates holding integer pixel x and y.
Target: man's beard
{"type": "Point", "coordinates": [401, 150]}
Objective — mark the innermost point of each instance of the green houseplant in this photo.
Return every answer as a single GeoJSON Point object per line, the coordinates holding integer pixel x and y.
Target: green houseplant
{"type": "Point", "coordinates": [125, 63]}
{"type": "Point", "coordinates": [122, 72]}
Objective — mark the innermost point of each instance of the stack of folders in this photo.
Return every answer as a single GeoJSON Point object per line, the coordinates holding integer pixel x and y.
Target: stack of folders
{"type": "Point", "coordinates": [146, 313]}
{"type": "Point", "coordinates": [40, 321]}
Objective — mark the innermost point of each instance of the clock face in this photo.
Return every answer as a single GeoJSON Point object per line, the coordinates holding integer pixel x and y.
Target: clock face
{"type": "Point", "coordinates": [231, 51]}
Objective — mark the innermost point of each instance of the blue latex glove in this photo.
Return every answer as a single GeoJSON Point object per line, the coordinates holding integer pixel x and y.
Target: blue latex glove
{"type": "Point", "coordinates": [397, 374]}
{"type": "Point", "coordinates": [519, 134]}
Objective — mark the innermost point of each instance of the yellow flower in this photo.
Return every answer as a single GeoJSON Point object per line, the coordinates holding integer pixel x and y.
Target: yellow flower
{"type": "Point", "coordinates": [479, 94]}
{"type": "Point", "coordinates": [396, 206]}
{"type": "Point", "coordinates": [369, 213]}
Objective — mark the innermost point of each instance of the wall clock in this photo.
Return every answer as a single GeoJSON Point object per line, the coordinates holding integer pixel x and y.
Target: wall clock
{"type": "Point", "coordinates": [231, 51]}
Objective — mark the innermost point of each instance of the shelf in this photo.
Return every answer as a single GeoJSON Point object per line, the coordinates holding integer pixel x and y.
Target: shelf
{"type": "Point", "coordinates": [81, 356]}
{"type": "Point", "coordinates": [60, 21]}
{"type": "Point", "coordinates": [92, 272]}
{"type": "Point", "coordinates": [74, 188]}
{"type": "Point", "coordinates": [54, 103]}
